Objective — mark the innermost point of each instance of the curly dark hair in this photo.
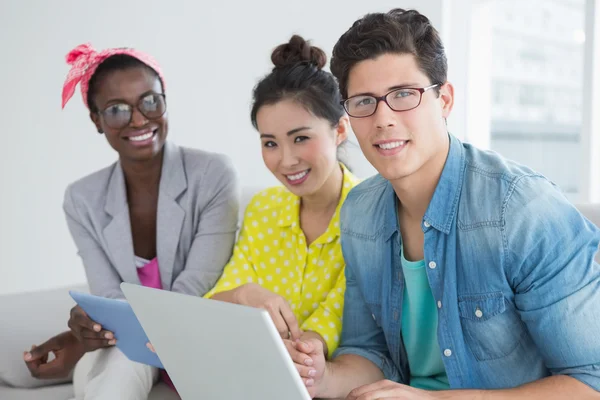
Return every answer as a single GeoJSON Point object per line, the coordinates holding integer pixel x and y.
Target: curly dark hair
{"type": "Point", "coordinates": [398, 31]}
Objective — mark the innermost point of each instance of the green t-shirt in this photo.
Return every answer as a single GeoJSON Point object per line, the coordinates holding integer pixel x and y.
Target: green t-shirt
{"type": "Point", "coordinates": [419, 329]}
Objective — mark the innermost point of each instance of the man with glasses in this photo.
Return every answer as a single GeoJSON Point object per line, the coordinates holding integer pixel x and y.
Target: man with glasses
{"type": "Point", "coordinates": [464, 270]}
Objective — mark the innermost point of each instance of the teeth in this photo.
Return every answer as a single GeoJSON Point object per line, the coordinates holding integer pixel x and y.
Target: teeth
{"type": "Point", "coordinates": [391, 145]}
{"type": "Point", "coordinates": [139, 138]}
{"type": "Point", "coordinates": [297, 176]}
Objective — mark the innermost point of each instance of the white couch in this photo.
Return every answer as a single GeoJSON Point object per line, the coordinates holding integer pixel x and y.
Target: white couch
{"type": "Point", "coordinates": [27, 319]}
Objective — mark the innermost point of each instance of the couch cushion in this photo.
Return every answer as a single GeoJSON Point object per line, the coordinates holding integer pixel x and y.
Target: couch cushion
{"type": "Point", "coordinates": [65, 392]}
{"type": "Point", "coordinates": [27, 319]}
{"type": "Point", "coordinates": [57, 392]}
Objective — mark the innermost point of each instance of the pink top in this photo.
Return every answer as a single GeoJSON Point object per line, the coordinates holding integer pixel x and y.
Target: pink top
{"type": "Point", "coordinates": [149, 275]}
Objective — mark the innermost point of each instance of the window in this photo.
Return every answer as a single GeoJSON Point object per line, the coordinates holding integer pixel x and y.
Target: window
{"type": "Point", "coordinates": [536, 73]}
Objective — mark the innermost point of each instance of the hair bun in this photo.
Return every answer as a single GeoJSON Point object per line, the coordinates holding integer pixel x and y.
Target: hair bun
{"type": "Point", "coordinates": [298, 50]}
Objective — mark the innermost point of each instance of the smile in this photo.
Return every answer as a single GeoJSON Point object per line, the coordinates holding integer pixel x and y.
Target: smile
{"type": "Point", "coordinates": [391, 145]}
{"type": "Point", "coordinates": [297, 176]}
{"type": "Point", "coordinates": [140, 138]}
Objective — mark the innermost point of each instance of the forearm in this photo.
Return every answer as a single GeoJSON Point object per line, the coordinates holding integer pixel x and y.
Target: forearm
{"type": "Point", "coordinates": [346, 373]}
{"type": "Point", "coordinates": [555, 387]}
{"type": "Point", "coordinates": [229, 296]}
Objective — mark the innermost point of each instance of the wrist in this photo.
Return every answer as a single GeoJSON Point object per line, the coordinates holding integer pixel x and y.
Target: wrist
{"type": "Point", "coordinates": [459, 395]}
{"type": "Point", "coordinates": [323, 384]}
{"type": "Point", "coordinates": [239, 293]}
{"type": "Point", "coordinates": [80, 348]}
{"type": "Point", "coordinates": [75, 342]}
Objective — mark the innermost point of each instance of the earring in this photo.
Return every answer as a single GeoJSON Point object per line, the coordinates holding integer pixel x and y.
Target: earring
{"type": "Point", "coordinates": [100, 131]}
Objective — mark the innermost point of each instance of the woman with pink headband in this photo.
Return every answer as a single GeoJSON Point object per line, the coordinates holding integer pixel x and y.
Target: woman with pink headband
{"type": "Point", "coordinates": [161, 216]}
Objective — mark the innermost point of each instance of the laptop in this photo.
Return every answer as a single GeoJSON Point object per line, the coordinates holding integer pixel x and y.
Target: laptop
{"type": "Point", "coordinates": [216, 350]}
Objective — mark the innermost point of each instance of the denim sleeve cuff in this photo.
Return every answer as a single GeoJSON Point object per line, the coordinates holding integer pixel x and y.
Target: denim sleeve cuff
{"type": "Point", "coordinates": [380, 360]}
{"type": "Point", "coordinates": [589, 375]}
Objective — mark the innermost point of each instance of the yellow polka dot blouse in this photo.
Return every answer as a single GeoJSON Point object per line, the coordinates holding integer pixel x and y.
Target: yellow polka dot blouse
{"type": "Point", "coordinates": [271, 251]}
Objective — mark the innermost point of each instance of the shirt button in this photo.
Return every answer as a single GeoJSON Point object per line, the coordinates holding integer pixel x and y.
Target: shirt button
{"type": "Point", "coordinates": [478, 313]}
{"type": "Point", "coordinates": [395, 315]}
{"type": "Point", "coordinates": [373, 315]}
{"type": "Point", "coordinates": [447, 352]}
{"type": "Point", "coordinates": [432, 265]}
{"type": "Point", "coordinates": [426, 224]}
{"type": "Point", "coordinates": [439, 304]}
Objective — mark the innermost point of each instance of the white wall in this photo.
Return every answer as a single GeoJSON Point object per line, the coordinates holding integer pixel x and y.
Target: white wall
{"type": "Point", "coordinates": [212, 57]}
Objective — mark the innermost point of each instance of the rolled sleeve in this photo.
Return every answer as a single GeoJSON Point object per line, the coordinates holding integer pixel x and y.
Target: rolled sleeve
{"type": "Point", "coordinates": [550, 249]}
{"type": "Point", "coordinates": [326, 320]}
{"type": "Point", "coordinates": [361, 335]}
{"type": "Point", "coordinates": [239, 270]}
{"type": "Point", "coordinates": [383, 362]}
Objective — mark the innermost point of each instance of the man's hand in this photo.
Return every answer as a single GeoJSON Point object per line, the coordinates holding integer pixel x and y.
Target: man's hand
{"type": "Point", "coordinates": [309, 359]}
{"type": "Point", "coordinates": [67, 351]}
{"type": "Point", "coordinates": [88, 332]}
{"type": "Point", "coordinates": [389, 390]}
{"type": "Point", "coordinates": [256, 296]}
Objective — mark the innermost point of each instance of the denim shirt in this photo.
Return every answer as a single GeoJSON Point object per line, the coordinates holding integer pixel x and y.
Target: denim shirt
{"type": "Point", "coordinates": [510, 264]}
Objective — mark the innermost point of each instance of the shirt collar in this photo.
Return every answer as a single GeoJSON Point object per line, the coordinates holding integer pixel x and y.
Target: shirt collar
{"type": "Point", "coordinates": [443, 206]}
{"type": "Point", "coordinates": [290, 214]}
{"type": "Point", "coordinates": [444, 203]}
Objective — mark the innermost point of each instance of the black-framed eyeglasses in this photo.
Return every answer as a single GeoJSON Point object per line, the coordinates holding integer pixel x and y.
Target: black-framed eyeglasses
{"type": "Point", "coordinates": [152, 106]}
{"type": "Point", "coordinates": [403, 99]}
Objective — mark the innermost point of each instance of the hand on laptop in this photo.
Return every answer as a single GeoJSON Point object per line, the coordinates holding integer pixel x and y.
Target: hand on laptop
{"type": "Point", "coordinates": [88, 332]}
{"type": "Point", "coordinates": [309, 358]}
{"type": "Point", "coordinates": [67, 352]}
{"type": "Point", "coordinates": [282, 315]}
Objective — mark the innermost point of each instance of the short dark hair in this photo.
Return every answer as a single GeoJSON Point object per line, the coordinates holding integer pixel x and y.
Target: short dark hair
{"type": "Point", "coordinates": [298, 75]}
{"type": "Point", "coordinates": [398, 31]}
{"type": "Point", "coordinates": [117, 62]}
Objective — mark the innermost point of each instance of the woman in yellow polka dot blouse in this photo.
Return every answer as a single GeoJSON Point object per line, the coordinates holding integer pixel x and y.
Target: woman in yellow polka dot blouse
{"type": "Point", "coordinates": [288, 257]}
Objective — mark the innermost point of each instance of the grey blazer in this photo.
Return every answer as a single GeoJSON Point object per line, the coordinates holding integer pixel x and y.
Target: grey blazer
{"type": "Point", "coordinates": [197, 220]}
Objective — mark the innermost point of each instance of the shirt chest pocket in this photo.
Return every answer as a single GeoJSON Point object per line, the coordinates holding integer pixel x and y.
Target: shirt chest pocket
{"type": "Point", "coordinates": [491, 327]}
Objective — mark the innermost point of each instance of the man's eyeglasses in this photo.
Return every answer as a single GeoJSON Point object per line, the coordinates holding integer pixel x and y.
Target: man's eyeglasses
{"type": "Point", "coordinates": [118, 116]}
{"type": "Point", "coordinates": [403, 99]}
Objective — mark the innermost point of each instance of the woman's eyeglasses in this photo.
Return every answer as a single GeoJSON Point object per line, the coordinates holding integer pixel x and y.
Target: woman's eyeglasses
{"type": "Point", "coordinates": [152, 106]}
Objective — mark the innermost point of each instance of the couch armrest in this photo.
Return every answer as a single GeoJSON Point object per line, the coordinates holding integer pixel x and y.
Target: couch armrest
{"type": "Point", "coordinates": [27, 319]}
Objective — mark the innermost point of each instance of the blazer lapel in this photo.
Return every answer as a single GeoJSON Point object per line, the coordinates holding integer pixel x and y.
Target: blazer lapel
{"type": "Point", "coordinates": [170, 216]}
{"type": "Point", "coordinates": [118, 232]}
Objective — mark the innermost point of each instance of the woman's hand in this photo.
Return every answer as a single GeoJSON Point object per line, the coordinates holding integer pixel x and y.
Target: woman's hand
{"type": "Point", "coordinates": [254, 295]}
{"type": "Point", "coordinates": [88, 332]}
{"type": "Point", "coordinates": [67, 352]}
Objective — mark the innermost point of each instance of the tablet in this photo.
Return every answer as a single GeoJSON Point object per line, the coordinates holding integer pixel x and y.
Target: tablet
{"type": "Point", "coordinates": [118, 317]}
